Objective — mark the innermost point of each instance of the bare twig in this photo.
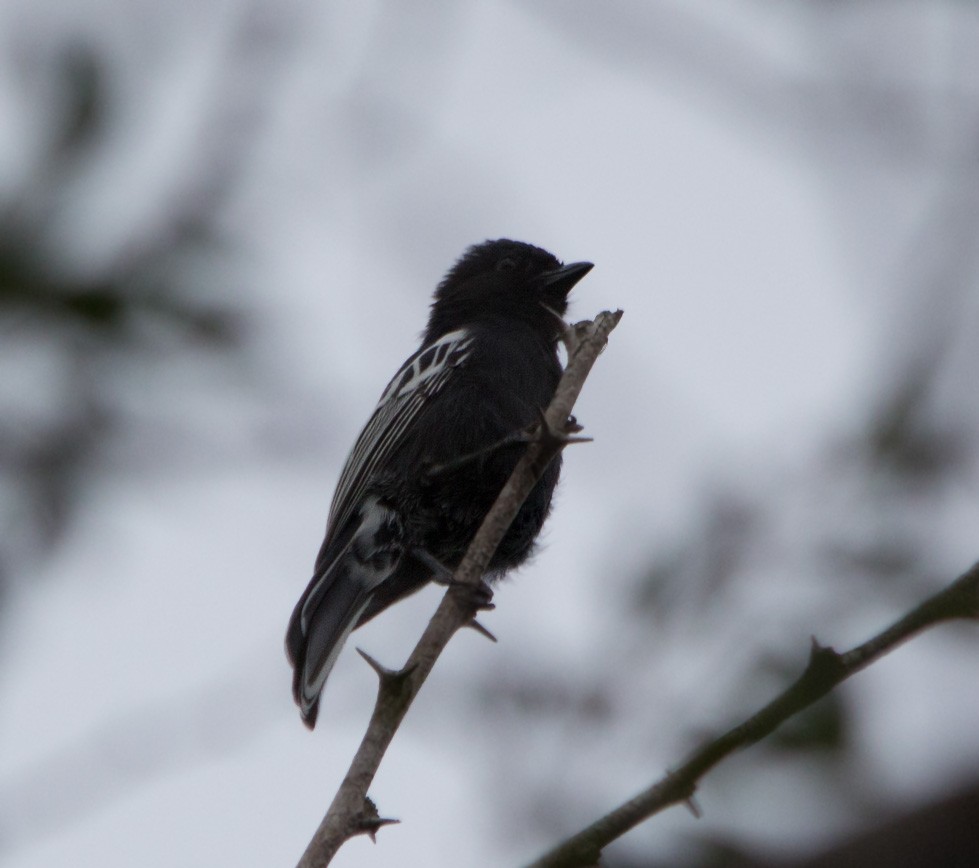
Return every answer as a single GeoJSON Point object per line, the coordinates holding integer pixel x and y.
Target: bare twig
{"type": "Point", "coordinates": [825, 670]}
{"type": "Point", "coordinates": [351, 812]}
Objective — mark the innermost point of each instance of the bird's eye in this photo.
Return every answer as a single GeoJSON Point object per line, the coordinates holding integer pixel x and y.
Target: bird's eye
{"type": "Point", "coordinates": [506, 265]}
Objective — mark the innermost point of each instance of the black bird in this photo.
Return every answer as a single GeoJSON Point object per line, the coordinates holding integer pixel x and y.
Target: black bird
{"type": "Point", "coordinates": [441, 443]}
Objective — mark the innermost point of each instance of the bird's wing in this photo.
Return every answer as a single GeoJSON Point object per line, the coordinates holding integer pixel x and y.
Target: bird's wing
{"type": "Point", "coordinates": [420, 378]}
{"type": "Point", "coordinates": [418, 381]}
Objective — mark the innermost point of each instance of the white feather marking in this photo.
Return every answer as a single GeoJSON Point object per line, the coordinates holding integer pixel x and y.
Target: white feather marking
{"type": "Point", "coordinates": [421, 377]}
{"type": "Point", "coordinates": [450, 349]}
{"type": "Point", "coordinates": [313, 687]}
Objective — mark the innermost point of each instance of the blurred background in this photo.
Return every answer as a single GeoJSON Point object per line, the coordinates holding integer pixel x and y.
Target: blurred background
{"type": "Point", "coordinates": [220, 225]}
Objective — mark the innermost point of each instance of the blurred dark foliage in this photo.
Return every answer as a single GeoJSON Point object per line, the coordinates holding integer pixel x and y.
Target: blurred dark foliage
{"type": "Point", "coordinates": [729, 525]}
{"type": "Point", "coordinates": [145, 306]}
{"type": "Point", "coordinates": [530, 696]}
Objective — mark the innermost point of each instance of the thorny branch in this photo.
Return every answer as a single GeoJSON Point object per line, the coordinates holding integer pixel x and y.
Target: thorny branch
{"type": "Point", "coordinates": [826, 669]}
{"type": "Point", "coordinates": [351, 812]}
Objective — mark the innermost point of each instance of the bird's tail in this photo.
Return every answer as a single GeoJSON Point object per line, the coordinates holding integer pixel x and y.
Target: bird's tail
{"type": "Point", "coordinates": [320, 624]}
{"type": "Point", "coordinates": [352, 564]}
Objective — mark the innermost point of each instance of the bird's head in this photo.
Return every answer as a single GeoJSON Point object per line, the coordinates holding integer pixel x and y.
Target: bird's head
{"type": "Point", "coordinates": [505, 280]}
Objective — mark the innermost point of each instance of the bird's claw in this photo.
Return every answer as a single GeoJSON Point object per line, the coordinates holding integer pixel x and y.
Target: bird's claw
{"type": "Point", "coordinates": [557, 438]}
{"type": "Point", "coordinates": [482, 593]}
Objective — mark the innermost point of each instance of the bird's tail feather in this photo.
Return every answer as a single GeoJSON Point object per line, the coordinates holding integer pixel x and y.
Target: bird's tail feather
{"type": "Point", "coordinates": [351, 566]}
{"type": "Point", "coordinates": [320, 625]}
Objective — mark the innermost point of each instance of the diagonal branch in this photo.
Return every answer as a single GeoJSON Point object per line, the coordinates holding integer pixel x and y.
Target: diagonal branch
{"type": "Point", "coordinates": [826, 669]}
{"type": "Point", "coordinates": [351, 812]}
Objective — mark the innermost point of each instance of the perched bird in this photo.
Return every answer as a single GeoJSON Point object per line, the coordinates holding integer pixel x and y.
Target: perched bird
{"type": "Point", "coordinates": [442, 441]}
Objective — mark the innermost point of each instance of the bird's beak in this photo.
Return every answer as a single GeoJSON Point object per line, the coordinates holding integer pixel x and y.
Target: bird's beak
{"type": "Point", "coordinates": [564, 278]}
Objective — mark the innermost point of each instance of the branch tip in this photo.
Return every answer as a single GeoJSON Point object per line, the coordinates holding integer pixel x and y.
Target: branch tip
{"type": "Point", "coordinates": [575, 334]}
{"type": "Point", "coordinates": [614, 315]}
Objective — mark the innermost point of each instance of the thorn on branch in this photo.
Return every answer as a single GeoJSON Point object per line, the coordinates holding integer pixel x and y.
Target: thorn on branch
{"type": "Point", "coordinates": [370, 821]}
{"type": "Point", "coordinates": [824, 667]}
{"type": "Point", "coordinates": [822, 656]}
{"type": "Point", "coordinates": [479, 628]}
{"type": "Point", "coordinates": [388, 677]}
{"type": "Point", "coordinates": [682, 790]}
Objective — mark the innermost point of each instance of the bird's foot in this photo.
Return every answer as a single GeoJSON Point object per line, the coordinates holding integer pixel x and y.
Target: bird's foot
{"type": "Point", "coordinates": [482, 593]}
{"type": "Point", "coordinates": [553, 437]}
